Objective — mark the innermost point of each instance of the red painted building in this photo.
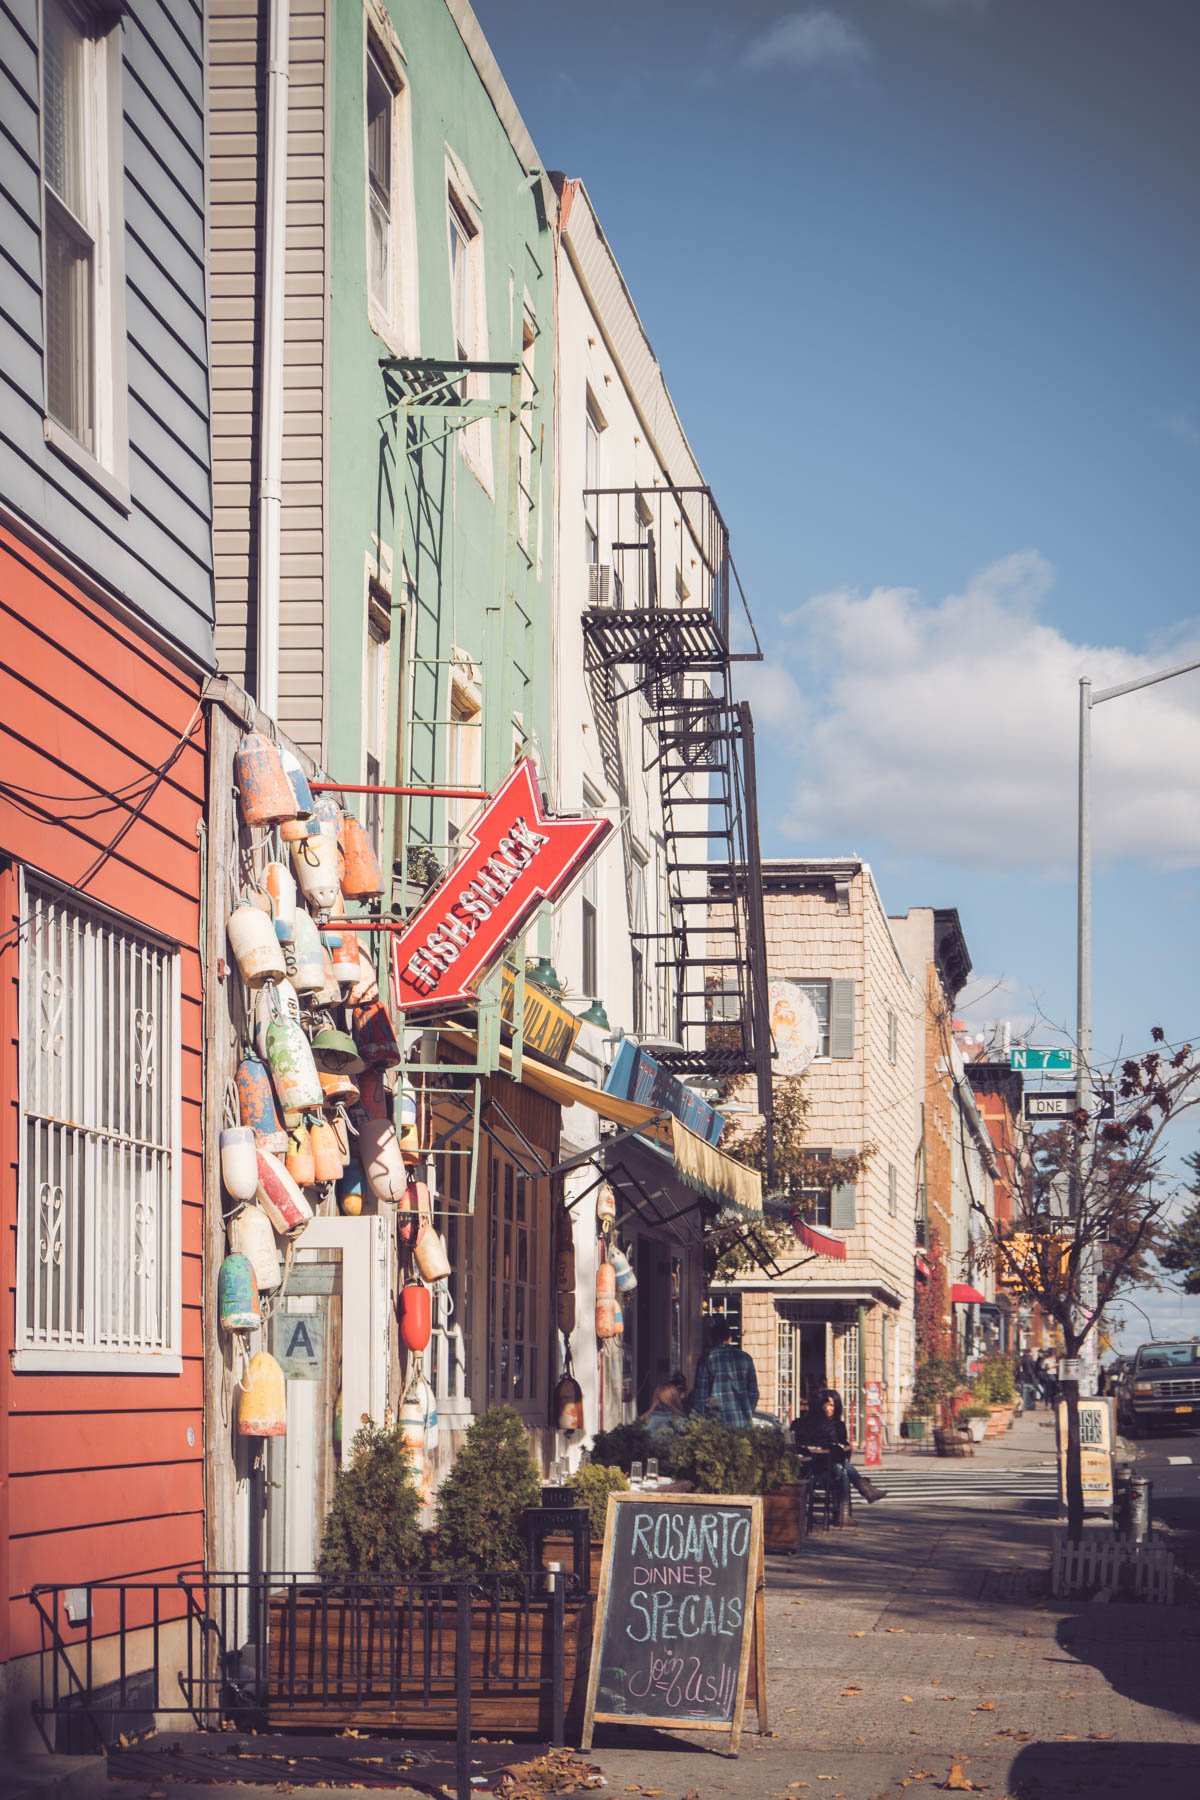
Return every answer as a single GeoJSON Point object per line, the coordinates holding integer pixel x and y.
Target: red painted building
{"type": "Point", "coordinates": [102, 751]}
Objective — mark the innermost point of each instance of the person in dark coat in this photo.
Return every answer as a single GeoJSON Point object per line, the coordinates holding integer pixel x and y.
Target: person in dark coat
{"type": "Point", "coordinates": [823, 1431]}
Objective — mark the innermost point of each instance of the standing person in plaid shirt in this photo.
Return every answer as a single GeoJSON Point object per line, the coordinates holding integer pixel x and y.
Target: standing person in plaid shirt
{"type": "Point", "coordinates": [726, 1381]}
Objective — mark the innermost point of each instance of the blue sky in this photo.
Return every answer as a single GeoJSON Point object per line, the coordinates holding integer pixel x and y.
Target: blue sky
{"type": "Point", "coordinates": [923, 278]}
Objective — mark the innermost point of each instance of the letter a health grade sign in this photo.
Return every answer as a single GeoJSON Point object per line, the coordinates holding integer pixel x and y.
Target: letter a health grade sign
{"type": "Point", "coordinates": [519, 855]}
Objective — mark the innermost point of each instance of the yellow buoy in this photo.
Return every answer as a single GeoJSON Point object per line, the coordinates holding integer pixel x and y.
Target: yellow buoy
{"type": "Point", "coordinates": [261, 1410]}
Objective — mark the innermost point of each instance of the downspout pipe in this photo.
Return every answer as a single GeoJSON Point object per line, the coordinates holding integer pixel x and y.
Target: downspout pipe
{"type": "Point", "coordinates": [270, 458]}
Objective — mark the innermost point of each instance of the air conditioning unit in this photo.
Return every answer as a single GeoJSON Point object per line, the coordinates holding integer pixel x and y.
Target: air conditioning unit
{"type": "Point", "coordinates": [604, 586]}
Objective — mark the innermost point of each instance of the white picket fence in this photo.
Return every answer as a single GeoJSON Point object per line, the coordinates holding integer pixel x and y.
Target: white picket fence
{"type": "Point", "coordinates": [1100, 1561]}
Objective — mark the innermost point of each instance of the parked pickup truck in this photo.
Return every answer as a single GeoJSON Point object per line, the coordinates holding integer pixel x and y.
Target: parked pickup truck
{"type": "Point", "coordinates": [1160, 1386]}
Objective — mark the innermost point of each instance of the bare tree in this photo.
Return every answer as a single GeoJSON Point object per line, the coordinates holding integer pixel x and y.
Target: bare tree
{"type": "Point", "coordinates": [1084, 1206]}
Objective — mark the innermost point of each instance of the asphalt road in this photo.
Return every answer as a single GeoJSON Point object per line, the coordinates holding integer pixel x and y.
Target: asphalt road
{"type": "Point", "coordinates": [1171, 1459]}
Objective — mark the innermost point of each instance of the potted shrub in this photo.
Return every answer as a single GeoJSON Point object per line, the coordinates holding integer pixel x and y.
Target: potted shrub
{"type": "Point", "coordinates": [373, 1524]}
{"type": "Point", "coordinates": [624, 1445]}
{"type": "Point", "coordinates": [492, 1480]}
{"type": "Point", "coordinates": [757, 1459]}
{"type": "Point", "coordinates": [916, 1423]}
{"type": "Point", "coordinates": [593, 1483]}
{"type": "Point", "coordinates": [996, 1389]}
{"type": "Point", "coordinates": [976, 1420]}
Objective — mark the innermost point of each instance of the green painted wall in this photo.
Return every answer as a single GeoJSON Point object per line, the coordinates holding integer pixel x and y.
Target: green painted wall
{"type": "Point", "coordinates": [456, 558]}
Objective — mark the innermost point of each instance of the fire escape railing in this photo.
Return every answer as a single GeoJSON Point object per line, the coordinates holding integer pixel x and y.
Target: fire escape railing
{"type": "Point", "coordinates": [659, 622]}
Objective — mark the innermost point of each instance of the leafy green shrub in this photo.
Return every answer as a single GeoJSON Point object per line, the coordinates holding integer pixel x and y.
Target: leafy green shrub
{"type": "Point", "coordinates": [372, 1524]}
{"type": "Point", "coordinates": [778, 1463]}
{"type": "Point", "coordinates": [593, 1484]}
{"type": "Point", "coordinates": [717, 1460]}
{"type": "Point", "coordinates": [939, 1379]}
{"type": "Point", "coordinates": [479, 1504]}
{"type": "Point", "coordinates": [626, 1444]}
{"type": "Point", "coordinates": [974, 1412]}
{"type": "Point", "coordinates": [995, 1384]}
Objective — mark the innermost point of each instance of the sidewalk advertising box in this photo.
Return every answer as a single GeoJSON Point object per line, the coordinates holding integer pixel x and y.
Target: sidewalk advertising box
{"type": "Point", "coordinates": [1097, 1440]}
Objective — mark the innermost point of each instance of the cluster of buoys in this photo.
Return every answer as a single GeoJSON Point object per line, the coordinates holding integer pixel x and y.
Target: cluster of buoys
{"type": "Point", "coordinates": [317, 1032]}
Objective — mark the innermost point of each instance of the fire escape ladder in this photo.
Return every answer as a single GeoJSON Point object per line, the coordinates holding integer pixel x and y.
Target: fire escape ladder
{"type": "Point", "coordinates": [657, 627]}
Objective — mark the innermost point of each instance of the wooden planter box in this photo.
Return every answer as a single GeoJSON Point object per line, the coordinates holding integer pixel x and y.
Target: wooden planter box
{"type": "Point", "coordinates": [336, 1662]}
{"type": "Point", "coordinates": [784, 1516]}
{"type": "Point", "coordinates": [951, 1443]}
{"type": "Point", "coordinates": [999, 1422]}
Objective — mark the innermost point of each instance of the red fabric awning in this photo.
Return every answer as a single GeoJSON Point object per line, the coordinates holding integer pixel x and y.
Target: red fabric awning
{"type": "Point", "coordinates": [922, 1266]}
{"type": "Point", "coordinates": [818, 1241]}
{"type": "Point", "coordinates": [963, 1295]}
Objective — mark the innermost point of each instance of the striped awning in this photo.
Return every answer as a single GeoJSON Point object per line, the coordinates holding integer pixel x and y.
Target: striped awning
{"type": "Point", "coordinates": [819, 1241]}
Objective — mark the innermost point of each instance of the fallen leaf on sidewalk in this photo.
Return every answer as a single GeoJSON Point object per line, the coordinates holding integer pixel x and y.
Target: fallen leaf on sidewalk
{"type": "Point", "coordinates": [907, 1698]}
{"type": "Point", "coordinates": [858, 1634]}
{"type": "Point", "coordinates": [986, 1706]}
{"type": "Point", "coordinates": [896, 1630]}
{"type": "Point", "coordinates": [1099, 1734]}
{"type": "Point", "coordinates": [852, 1689]}
{"type": "Point", "coordinates": [957, 1780]}
{"type": "Point", "coordinates": [1067, 1737]}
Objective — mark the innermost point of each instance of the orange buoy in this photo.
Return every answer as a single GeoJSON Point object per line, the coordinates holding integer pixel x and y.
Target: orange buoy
{"type": "Point", "coordinates": [327, 1157]}
{"type": "Point", "coordinates": [375, 1037]}
{"type": "Point", "coordinates": [362, 878]}
{"type": "Point", "coordinates": [299, 1164]}
{"type": "Point", "coordinates": [347, 964]}
{"type": "Point", "coordinates": [568, 1404]}
{"type": "Point", "coordinates": [416, 1317]}
{"type": "Point", "coordinates": [261, 1407]}
{"type": "Point", "coordinates": [265, 793]}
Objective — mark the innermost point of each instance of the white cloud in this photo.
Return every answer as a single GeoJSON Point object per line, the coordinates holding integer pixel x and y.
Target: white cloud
{"type": "Point", "coordinates": [989, 1001]}
{"type": "Point", "coordinates": [949, 730]}
{"type": "Point", "coordinates": [806, 40]}
{"type": "Point", "coordinates": [777, 702]}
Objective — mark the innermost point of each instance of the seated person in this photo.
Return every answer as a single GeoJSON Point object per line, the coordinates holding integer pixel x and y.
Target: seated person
{"type": "Point", "coordinates": [823, 1432]}
{"type": "Point", "coordinates": [666, 1410]}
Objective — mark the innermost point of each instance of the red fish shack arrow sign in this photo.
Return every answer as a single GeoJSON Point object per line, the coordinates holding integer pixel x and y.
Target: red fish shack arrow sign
{"type": "Point", "coordinates": [519, 857]}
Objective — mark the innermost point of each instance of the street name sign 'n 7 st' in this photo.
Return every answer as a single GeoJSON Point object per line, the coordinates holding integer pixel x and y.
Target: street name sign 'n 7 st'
{"type": "Point", "coordinates": [1054, 1062]}
{"type": "Point", "coordinates": [520, 855]}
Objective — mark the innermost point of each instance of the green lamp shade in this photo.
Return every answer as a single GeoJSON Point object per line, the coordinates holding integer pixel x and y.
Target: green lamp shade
{"type": "Point", "coordinates": [544, 974]}
{"type": "Point", "coordinates": [595, 1015]}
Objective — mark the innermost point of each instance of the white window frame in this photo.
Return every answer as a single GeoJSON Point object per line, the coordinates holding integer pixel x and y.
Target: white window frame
{"type": "Point", "coordinates": [826, 1029]}
{"type": "Point", "coordinates": [593, 463]}
{"type": "Point", "coordinates": [394, 314]}
{"type": "Point", "coordinates": [377, 656]}
{"type": "Point", "coordinates": [104, 460]}
{"type": "Point", "coordinates": [469, 335]}
{"type": "Point", "coordinates": [87, 1117]}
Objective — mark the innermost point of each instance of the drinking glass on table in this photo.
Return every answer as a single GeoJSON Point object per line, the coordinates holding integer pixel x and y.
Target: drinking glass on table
{"type": "Point", "coordinates": [652, 1471]}
{"type": "Point", "coordinates": [635, 1475]}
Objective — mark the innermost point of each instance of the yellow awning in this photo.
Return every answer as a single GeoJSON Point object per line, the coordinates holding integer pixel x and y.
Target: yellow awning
{"type": "Point", "coordinates": [698, 1163]}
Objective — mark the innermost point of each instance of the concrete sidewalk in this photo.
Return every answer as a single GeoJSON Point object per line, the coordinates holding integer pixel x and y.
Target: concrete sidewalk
{"type": "Point", "coordinates": [925, 1636]}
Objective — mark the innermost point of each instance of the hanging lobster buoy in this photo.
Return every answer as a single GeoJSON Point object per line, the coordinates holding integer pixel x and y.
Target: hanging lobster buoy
{"type": "Point", "coordinates": [254, 944]}
{"type": "Point", "coordinates": [429, 1252]}
{"type": "Point", "coordinates": [606, 1206]}
{"type": "Point", "coordinates": [237, 1294]}
{"type": "Point", "coordinates": [293, 1070]}
{"type": "Point", "coordinates": [239, 1164]}
{"type": "Point", "coordinates": [375, 1037]}
{"type": "Point", "coordinates": [618, 1319]}
{"type": "Point", "coordinates": [264, 791]}
{"type": "Point", "coordinates": [346, 963]}
{"type": "Point", "coordinates": [366, 988]}
{"type": "Point", "coordinates": [336, 1050]}
{"type": "Point", "coordinates": [301, 825]}
{"type": "Point", "coordinates": [315, 861]}
{"type": "Point", "coordinates": [339, 1089]}
{"type": "Point", "coordinates": [379, 1153]}
{"type": "Point", "coordinates": [280, 883]}
{"type": "Point", "coordinates": [350, 1190]}
{"type": "Point", "coordinates": [412, 1212]}
{"type": "Point", "coordinates": [251, 1235]}
{"type": "Point", "coordinates": [280, 1198]}
{"type": "Point", "coordinates": [282, 998]}
{"type": "Point", "coordinates": [564, 1282]}
{"type": "Point", "coordinates": [261, 1408]}
{"type": "Point", "coordinates": [406, 1121]}
{"type": "Point", "coordinates": [362, 878]}
{"type": "Point", "coordinates": [623, 1270]}
{"type": "Point", "coordinates": [416, 1317]}
{"type": "Point", "coordinates": [339, 1125]}
{"type": "Point", "coordinates": [309, 977]}
{"type": "Point", "coordinates": [327, 1157]}
{"type": "Point", "coordinates": [300, 1163]}
{"type": "Point", "coordinates": [568, 1404]}
{"type": "Point", "coordinates": [607, 1310]}
{"type": "Point", "coordinates": [258, 1108]}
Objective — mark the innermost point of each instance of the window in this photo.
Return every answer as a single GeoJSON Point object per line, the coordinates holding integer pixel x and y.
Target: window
{"type": "Point", "coordinates": [589, 909]}
{"type": "Point", "coordinates": [727, 1306]}
{"type": "Point", "coordinates": [461, 297]}
{"type": "Point", "coordinates": [464, 749]}
{"type": "Point", "coordinates": [380, 107]}
{"type": "Point", "coordinates": [893, 1036]}
{"type": "Point", "coordinates": [447, 1346]}
{"type": "Point", "coordinates": [98, 1252]}
{"type": "Point", "coordinates": [891, 1189]}
{"type": "Point", "coordinates": [375, 707]}
{"type": "Point", "coordinates": [529, 334]}
{"type": "Point", "coordinates": [851, 1389]}
{"type": "Point", "coordinates": [83, 268]}
{"type": "Point", "coordinates": [638, 962]}
{"type": "Point", "coordinates": [514, 1345]}
{"type": "Point", "coordinates": [818, 993]}
{"type": "Point", "coordinates": [815, 1202]}
{"type": "Point", "coordinates": [591, 481]}
{"type": "Point", "coordinates": [788, 1364]}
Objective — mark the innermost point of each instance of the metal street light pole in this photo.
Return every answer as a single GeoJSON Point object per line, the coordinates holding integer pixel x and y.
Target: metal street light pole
{"type": "Point", "coordinates": [1083, 991]}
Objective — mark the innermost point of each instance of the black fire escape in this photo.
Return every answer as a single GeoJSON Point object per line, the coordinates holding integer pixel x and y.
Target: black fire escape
{"type": "Point", "coordinates": [657, 624]}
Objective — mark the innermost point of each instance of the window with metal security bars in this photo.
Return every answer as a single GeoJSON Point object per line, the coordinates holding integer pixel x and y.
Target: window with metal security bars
{"type": "Point", "coordinates": [99, 1222]}
{"type": "Point", "coordinates": [851, 1391]}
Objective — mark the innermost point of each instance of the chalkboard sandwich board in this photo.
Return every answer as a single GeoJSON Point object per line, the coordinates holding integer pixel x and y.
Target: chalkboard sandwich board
{"type": "Point", "coordinates": [678, 1614]}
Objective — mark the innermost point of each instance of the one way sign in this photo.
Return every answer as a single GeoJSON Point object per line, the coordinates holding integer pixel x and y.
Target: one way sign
{"type": "Point", "coordinates": [1052, 1105]}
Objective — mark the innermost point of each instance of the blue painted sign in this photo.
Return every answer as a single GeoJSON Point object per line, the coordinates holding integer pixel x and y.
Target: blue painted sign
{"type": "Point", "coordinates": [636, 1076]}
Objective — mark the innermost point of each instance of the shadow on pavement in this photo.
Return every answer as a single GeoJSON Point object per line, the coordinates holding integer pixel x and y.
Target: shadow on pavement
{"type": "Point", "coordinates": [1147, 1653]}
{"type": "Point", "coordinates": [1108, 1771]}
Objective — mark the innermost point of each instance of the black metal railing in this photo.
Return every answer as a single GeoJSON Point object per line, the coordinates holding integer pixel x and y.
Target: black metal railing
{"type": "Point", "coordinates": [390, 1653]}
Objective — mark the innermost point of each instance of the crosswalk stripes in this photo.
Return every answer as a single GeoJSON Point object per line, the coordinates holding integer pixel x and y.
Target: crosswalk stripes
{"type": "Point", "coordinates": [937, 1485]}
